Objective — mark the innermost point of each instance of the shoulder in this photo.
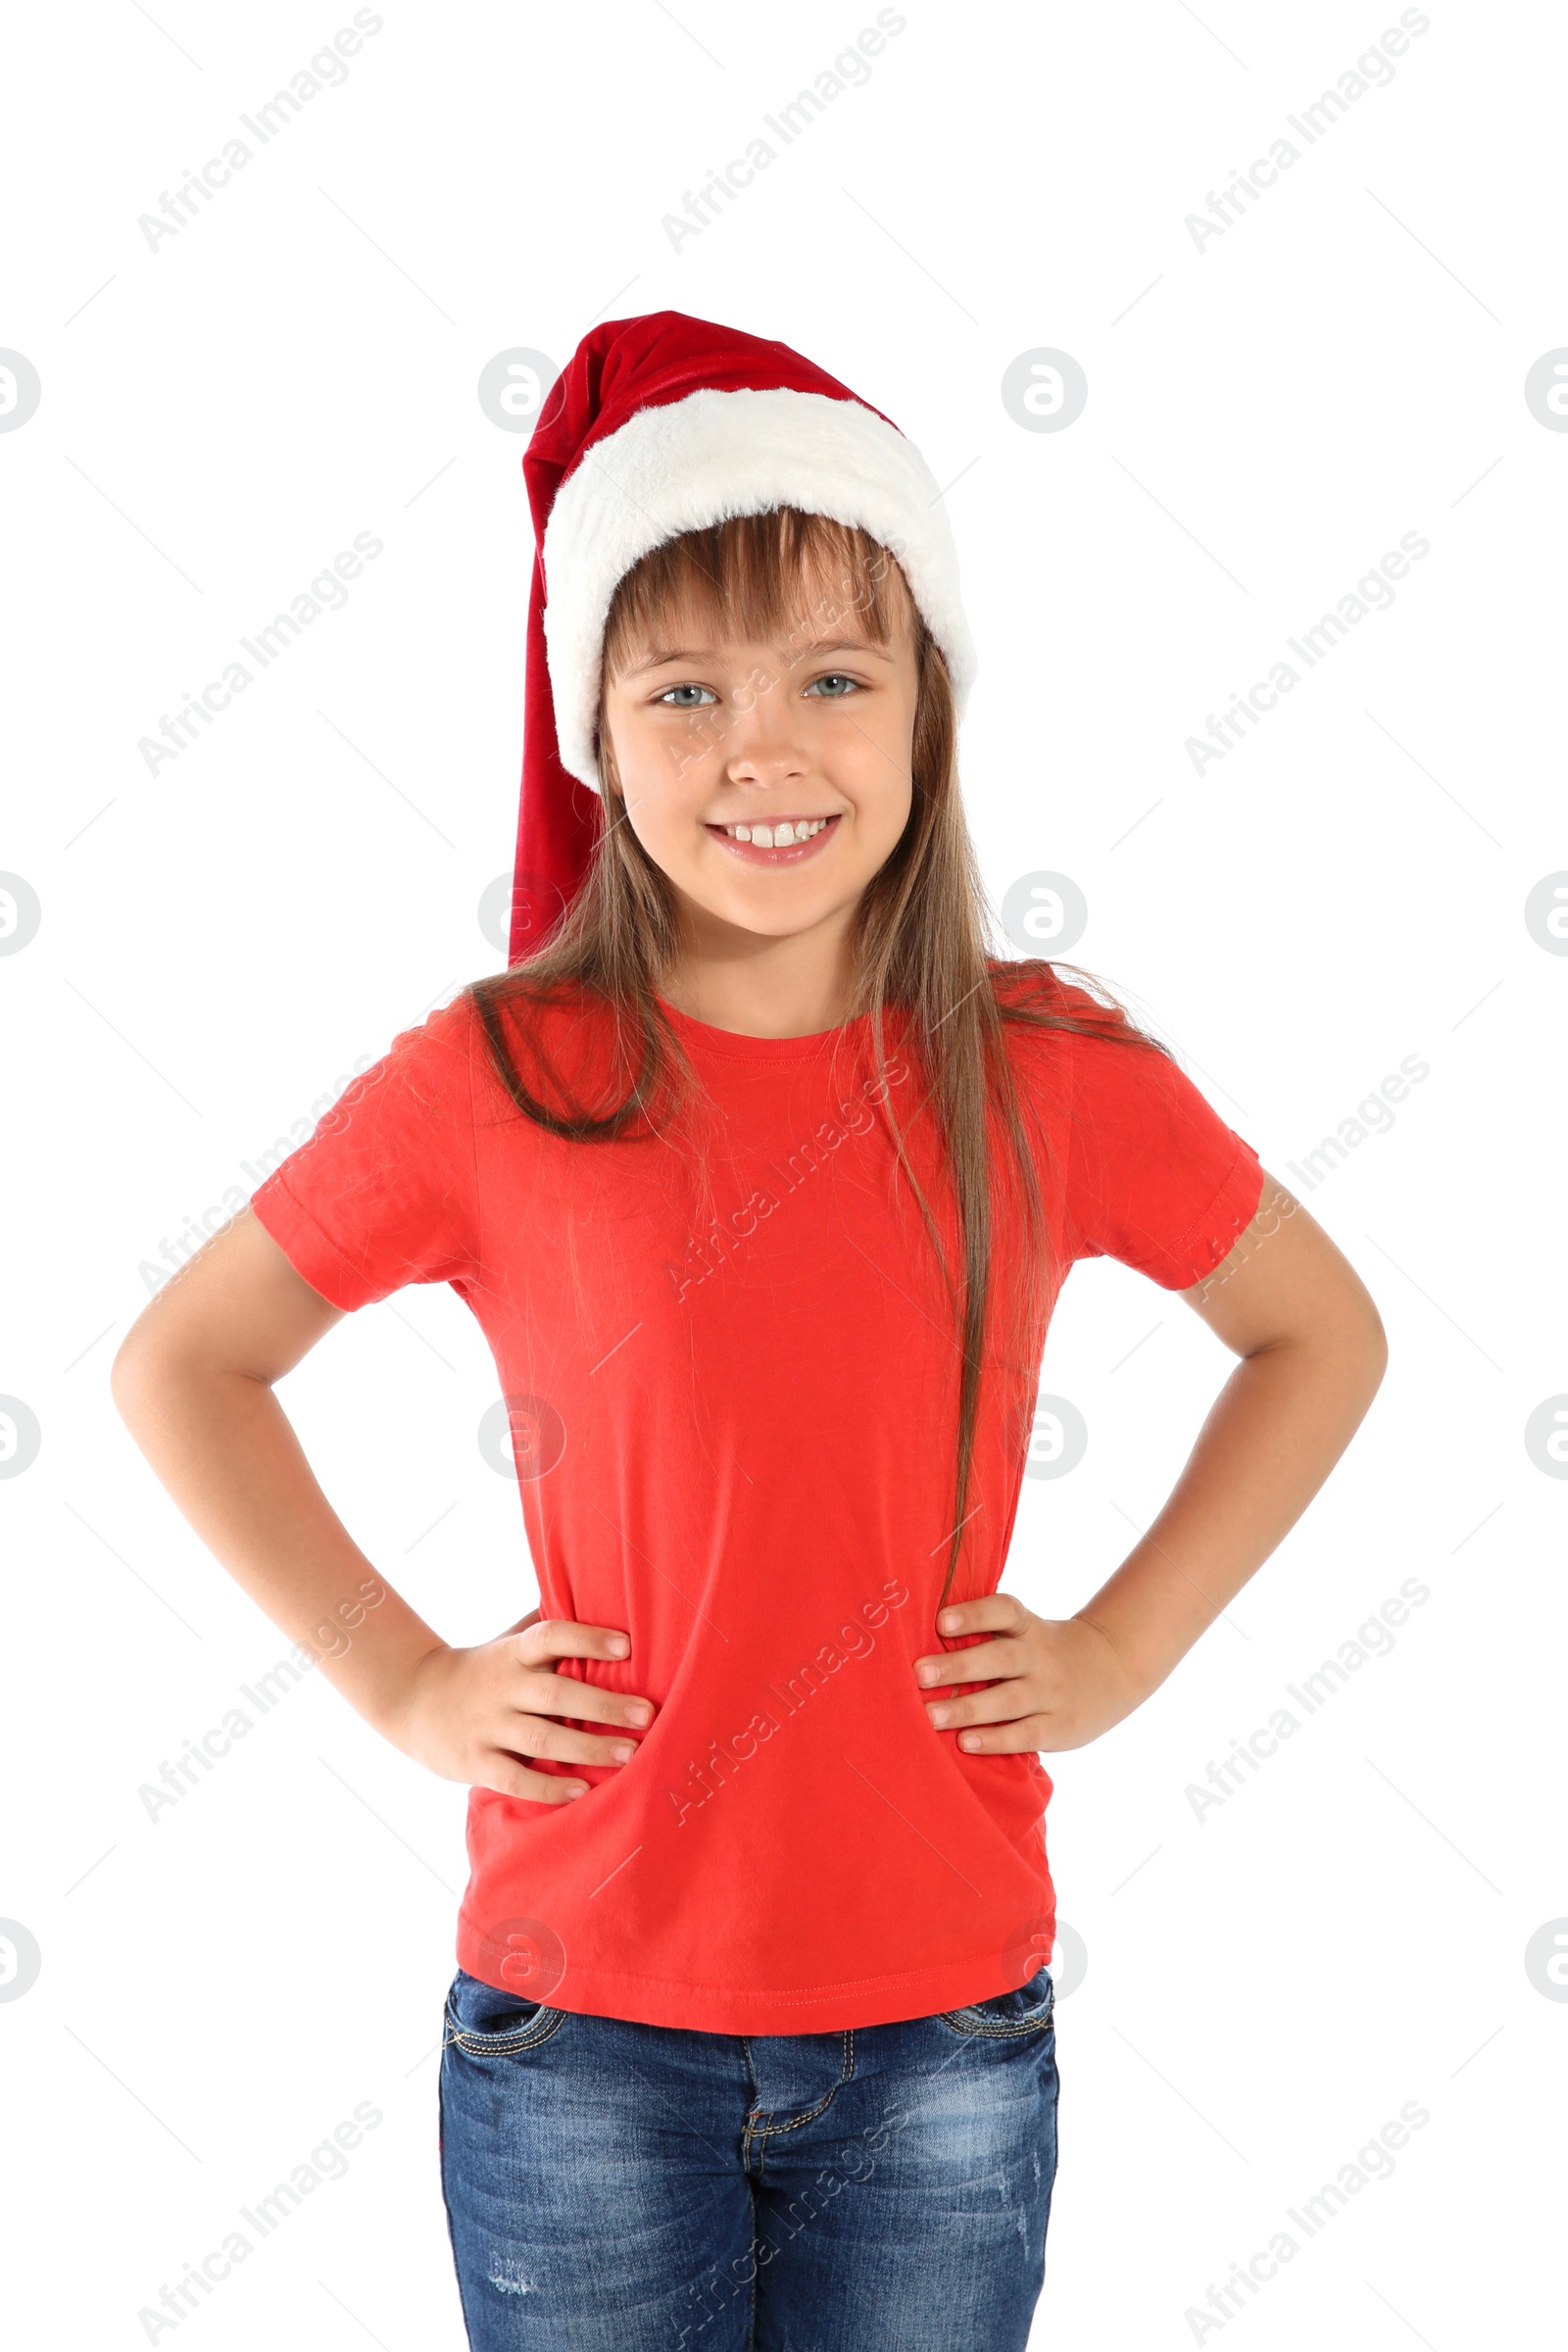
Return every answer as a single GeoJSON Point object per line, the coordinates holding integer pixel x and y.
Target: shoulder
{"type": "Point", "coordinates": [449, 1029]}
{"type": "Point", "coordinates": [559, 1048]}
{"type": "Point", "coordinates": [432, 1054]}
{"type": "Point", "coordinates": [1045, 1014]}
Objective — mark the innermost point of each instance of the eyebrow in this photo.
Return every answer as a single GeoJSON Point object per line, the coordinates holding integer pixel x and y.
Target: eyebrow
{"type": "Point", "coordinates": [661, 656]}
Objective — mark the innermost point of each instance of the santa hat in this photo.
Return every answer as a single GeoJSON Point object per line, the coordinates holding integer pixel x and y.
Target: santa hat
{"type": "Point", "coordinates": [663, 424]}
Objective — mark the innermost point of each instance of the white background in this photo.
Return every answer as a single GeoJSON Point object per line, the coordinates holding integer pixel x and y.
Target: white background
{"type": "Point", "coordinates": [221, 942]}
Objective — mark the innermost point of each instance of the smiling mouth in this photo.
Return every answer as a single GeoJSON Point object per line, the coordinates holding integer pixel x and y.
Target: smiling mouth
{"type": "Point", "coordinates": [781, 841]}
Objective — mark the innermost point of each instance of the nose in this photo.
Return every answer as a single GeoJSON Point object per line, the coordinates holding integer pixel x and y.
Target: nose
{"type": "Point", "coordinates": [765, 746]}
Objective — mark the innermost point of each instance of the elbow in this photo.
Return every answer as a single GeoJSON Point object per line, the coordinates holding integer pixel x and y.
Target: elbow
{"type": "Point", "coordinates": [134, 1373]}
{"type": "Point", "coordinates": [1358, 1335]}
{"type": "Point", "coordinates": [1380, 1338]}
{"type": "Point", "coordinates": [128, 1376]}
{"type": "Point", "coordinates": [1348, 1344]}
{"type": "Point", "coordinates": [1377, 1351]}
{"type": "Point", "coordinates": [1370, 1345]}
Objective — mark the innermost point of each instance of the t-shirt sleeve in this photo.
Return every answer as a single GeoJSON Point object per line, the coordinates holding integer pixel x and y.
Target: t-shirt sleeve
{"type": "Point", "coordinates": [1156, 1177]}
{"type": "Point", "coordinates": [382, 1193]}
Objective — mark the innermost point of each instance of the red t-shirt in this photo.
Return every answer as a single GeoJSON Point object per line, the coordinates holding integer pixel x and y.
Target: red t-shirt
{"type": "Point", "coordinates": [735, 1422]}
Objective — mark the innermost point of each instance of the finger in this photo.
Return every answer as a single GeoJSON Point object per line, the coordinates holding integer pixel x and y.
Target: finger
{"type": "Point", "coordinates": [563, 1638]}
{"type": "Point", "coordinates": [979, 1662]}
{"type": "Point", "coordinates": [536, 1736]}
{"type": "Point", "coordinates": [1004, 1702]}
{"type": "Point", "coordinates": [992, 1613]}
{"type": "Point", "coordinates": [524, 1623]}
{"type": "Point", "coordinates": [541, 1692]}
{"type": "Point", "coordinates": [510, 1777]}
{"type": "Point", "coordinates": [1029, 1732]}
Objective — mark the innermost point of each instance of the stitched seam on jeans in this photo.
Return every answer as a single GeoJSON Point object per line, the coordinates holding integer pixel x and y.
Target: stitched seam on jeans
{"type": "Point", "coordinates": [845, 2073]}
{"type": "Point", "coordinates": [752, 2107]}
{"type": "Point", "coordinates": [500, 2046]}
{"type": "Point", "coordinates": [772, 2131]}
{"type": "Point", "coordinates": [996, 2031]}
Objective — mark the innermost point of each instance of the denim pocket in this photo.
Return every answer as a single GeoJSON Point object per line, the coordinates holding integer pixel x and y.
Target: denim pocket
{"type": "Point", "coordinates": [486, 2021]}
{"type": "Point", "coordinates": [1007, 2016]}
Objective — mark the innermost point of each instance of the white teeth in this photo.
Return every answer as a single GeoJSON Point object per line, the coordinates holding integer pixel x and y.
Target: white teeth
{"type": "Point", "coordinates": [784, 836]}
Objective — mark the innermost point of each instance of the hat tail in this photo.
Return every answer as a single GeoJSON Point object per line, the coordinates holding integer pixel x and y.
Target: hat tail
{"type": "Point", "coordinates": [558, 820]}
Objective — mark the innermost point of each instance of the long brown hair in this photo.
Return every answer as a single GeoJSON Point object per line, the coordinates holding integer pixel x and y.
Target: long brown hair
{"type": "Point", "coordinates": [923, 939]}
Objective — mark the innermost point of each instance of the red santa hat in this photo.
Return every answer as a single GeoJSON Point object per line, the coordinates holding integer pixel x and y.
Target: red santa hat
{"type": "Point", "coordinates": [663, 424]}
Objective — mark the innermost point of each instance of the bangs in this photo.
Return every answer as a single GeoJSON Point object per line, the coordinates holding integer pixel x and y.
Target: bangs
{"type": "Point", "coordinates": [770, 578]}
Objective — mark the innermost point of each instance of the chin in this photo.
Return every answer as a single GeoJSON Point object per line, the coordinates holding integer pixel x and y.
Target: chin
{"type": "Point", "coordinates": [773, 923]}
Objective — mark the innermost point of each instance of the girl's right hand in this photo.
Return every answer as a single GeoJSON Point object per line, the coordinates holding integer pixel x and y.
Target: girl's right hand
{"type": "Point", "coordinates": [474, 1714]}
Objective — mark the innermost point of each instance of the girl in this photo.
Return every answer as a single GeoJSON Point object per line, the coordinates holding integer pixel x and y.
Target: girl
{"type": "Point", "coordinates": [761, 1173]}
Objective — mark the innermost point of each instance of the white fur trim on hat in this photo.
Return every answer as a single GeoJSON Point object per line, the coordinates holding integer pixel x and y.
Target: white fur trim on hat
{"type": "Point", "coordinates": [701, 459]}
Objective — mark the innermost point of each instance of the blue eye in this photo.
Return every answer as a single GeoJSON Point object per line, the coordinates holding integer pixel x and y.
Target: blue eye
{"type": "Point", "coordinates": [834, 678]}
{"type": "Point", "coordinates": [676, 690]}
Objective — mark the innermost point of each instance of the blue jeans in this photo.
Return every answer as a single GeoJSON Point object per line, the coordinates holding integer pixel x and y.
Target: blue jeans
{"type": "Point", "coordinates": [615, 2187]}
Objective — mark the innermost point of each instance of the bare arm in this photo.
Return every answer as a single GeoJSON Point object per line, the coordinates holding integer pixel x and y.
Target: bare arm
{"type": "Point", "coordinates": [193, 1382]}
{"type": "Point", "coordinates": [1313, 1353]}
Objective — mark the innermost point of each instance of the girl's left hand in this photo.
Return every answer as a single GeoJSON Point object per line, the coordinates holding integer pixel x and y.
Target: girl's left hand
{"type": "Point", "coordinates": [1056, 1682]}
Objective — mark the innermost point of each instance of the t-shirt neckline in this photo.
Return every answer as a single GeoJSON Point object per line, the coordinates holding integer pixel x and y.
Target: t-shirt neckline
{"type": "Point", "coordinates": [735, 1044]}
